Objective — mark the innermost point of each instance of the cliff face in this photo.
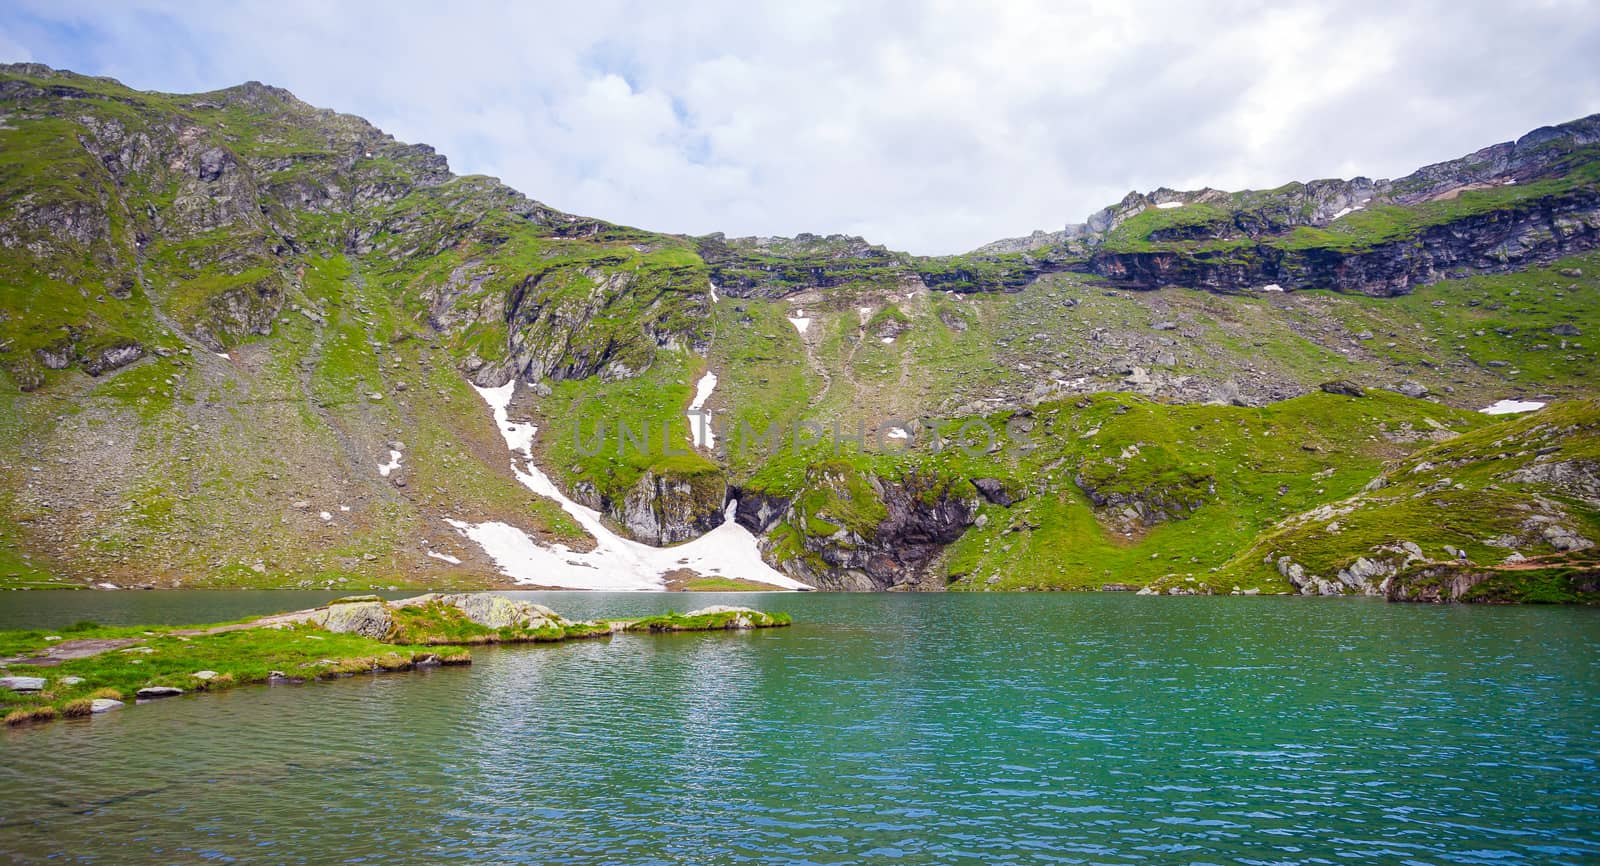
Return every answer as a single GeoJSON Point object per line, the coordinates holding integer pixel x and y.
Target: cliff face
{"type": "Point", "coordinates": [1505, 207]}
{"type": "Point", "coordinates": [1516, 237]}
{"type": "Point", "coordinates": [913, 519]}
{"type": "Point", "coordinates": [1443, 583]}
{"type": "Point", "coordinates": [667, 507]}
{"type": "Point", "coordinates": [776, 267]}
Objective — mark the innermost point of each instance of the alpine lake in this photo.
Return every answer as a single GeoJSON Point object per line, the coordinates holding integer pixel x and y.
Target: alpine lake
{"type": "Point", "coordinates": [1092, 728]}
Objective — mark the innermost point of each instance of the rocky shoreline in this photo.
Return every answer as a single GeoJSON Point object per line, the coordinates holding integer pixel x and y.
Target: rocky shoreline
{"type": "Point", "coordinates": [89, 670]}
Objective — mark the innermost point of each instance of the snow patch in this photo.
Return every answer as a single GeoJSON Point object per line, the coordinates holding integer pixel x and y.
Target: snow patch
{"type": "Point", "coordinates": [325, 516]}
{"type": "Point", "coordinates": [615, 563]}
{"type": "Point", "coordinates": [385, 468]}
{"type": "Point", "coordinates": [1169, 205]}
{"type": "Point", "coordinates": [699, 416]}
{"type": "Point", "coordinates": [225, 356]}
{"type": "Point", "coordinates": [713, 286]}
{"type": "Point", "coordinates": [887, 340]}
{"type": "Point", "coordinates": [519, 437]}
{"type": "Point", "coordinates": [1341, 213]}
{"type": "Point", "coordinates": [897, 433]}
{"type": "Point", "coordinates": [444, 556]}
{"type": "Point", "coordinates": [1511, 407]}
{"type": "Point", "coordinates": [1272, 287]}
{"type": "Point", "coordinates": [800, 321]}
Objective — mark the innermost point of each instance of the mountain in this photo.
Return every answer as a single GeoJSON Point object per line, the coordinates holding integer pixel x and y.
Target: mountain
{"type": "Point", "coordinates": [248, 342]}
{"type": "Point", "coordinates": [1499, 210]}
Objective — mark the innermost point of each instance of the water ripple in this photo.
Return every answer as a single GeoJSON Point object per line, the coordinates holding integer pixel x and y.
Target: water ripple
{"type": "Point", "coordinates": [1065, 729]}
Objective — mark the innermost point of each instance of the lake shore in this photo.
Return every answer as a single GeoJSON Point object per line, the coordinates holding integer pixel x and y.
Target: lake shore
{"type": "Point", "coordinates": [87, 669]}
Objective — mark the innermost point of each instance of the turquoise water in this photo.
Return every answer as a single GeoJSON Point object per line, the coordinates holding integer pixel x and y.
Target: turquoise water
{"type": "Point", "coordinates": [891, 728]}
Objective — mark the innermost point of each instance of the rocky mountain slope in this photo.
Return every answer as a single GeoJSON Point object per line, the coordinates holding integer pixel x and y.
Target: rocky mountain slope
{"type": "Point", "coordinates": [239, 335]}
{"type": "Point", "coordinates": [1506, 511]}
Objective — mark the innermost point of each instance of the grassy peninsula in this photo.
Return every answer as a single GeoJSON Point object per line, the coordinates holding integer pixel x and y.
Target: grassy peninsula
{"type": "Point", "coordinates": [88, 668]}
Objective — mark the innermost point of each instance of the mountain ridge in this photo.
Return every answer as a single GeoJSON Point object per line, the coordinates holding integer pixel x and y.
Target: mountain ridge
{"type": "Point", "coordinates": [1334, 195]}
{"type": "Point", "coordinates": [239, 334]}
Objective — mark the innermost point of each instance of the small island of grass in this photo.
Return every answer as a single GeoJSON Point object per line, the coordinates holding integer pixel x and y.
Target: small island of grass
{"type": "Point", "coordinates": [88, 669]}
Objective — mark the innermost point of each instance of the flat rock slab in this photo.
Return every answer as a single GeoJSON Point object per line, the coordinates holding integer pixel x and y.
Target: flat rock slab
{"type": "Point", "coordinates": [68, 650]}
{"type": "Point", "coordinates": [104, 705]}
{"type": "Point", "coordinates": [149, 692]}
{"type": "Point", "coordinates": [22, 684]}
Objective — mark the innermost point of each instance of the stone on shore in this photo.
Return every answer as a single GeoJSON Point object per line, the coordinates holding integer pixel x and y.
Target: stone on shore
{"type": "Point", "coordinates": [104, 705]}
{"type": "Point", "coordinates": [365, 618]}
{"type": "Point", "coordinates": [151, 692]}
{"type": "Point", "coordinates": [743, 617]}
{"type": "Point", "coordinates": [492, 611]}
{"type": "Point", "coordinates": [22, 684]}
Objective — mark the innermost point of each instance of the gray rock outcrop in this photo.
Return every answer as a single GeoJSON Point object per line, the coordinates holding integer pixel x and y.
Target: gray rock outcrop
{"type": "Point", "coordinates": [370, 619]}
{"type": "Point", "coordinates": [492, 611]}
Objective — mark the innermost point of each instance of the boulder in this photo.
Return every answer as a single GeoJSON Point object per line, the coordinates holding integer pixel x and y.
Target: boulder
{"type": "Point", "coordinates": [109, 358]}
{"type": "Point", "coordinates": [205, 675]}
{"type": "Point", "coordinates": [492, 611]}
{"type": "Point", "coordinates": [104, 705]}
{"type": "Point", "coordinates": [1564, 539]}
{"type": "Point", "coordinates": [497, 611]}
{"type": "Point", "coordinates": [365, 618]}
{"type": "Point", "coordinates": [1344, 388]}
{"type": "Point", "coordinates": [22, 684]}
{"type": "Point", "coordinates": [1364, 572]}
{"type": "Point", "coordinates": [994, 491]}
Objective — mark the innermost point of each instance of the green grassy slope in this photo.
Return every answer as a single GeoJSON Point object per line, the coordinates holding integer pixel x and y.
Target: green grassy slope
{"type": "Point", "coordinates": [220, 312]}
{"type": "Point", "coordinates": [1523, 488]}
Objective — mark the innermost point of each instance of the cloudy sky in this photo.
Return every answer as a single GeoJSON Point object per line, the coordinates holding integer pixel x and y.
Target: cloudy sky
{"type": "Point", "coordinates": [932, 127]}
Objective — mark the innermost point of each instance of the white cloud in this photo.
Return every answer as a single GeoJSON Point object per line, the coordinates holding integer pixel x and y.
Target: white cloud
{"type": "Point", "coordinates": [929, 126]}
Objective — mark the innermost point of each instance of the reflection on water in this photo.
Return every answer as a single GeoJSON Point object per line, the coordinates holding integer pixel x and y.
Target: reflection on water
{"type": "Point", "coordinates": [1019, 728]}
{"type": "Point", "coordinates": [59, 608]}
